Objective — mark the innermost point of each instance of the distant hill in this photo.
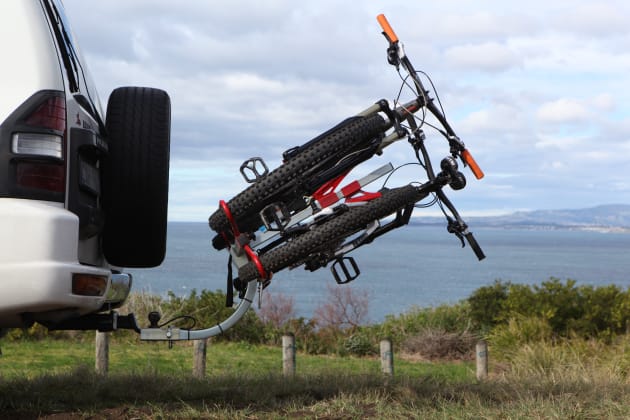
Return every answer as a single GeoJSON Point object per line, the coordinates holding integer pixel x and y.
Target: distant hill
{"type": "Point", "coordinates": [604, 217]}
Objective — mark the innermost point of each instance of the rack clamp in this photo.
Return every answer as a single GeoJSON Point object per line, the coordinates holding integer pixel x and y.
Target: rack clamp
{"type": "Point", "coordinates": [328, 194]}
{"type": "Point", "coordinates": [242, 243]}
{"type": "Point", "coordinates": [275, 217]}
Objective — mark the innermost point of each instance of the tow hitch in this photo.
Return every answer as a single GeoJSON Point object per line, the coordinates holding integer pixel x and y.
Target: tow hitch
{"type": "Point", "coordinates": [111, 321]}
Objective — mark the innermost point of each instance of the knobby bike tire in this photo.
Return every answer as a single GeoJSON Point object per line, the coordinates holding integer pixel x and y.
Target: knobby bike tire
{"type": "Point", "coordinates": [332, 145]}
{"type": "Point", "coordinates": [335, 229]}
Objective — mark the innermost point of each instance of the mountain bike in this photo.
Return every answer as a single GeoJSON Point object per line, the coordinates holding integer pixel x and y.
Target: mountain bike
{"type": "Point", "coordinates": [296, 214]}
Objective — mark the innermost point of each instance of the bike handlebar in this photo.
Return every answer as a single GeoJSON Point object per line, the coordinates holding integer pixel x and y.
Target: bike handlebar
{"type": "Point", "coordinates": [475, 246]}
{"type": "Point", "coordinates": [423, 100]}
{"type": "Point", "coordinates": [387, 29]}
{"type": "Point", "coordinates": [470, 161]}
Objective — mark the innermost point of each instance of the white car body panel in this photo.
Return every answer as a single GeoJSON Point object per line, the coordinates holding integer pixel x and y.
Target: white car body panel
{"type": "Point", "coordinates": [30, 50]}
{"type": "Point", "coordinates": [37, 262]}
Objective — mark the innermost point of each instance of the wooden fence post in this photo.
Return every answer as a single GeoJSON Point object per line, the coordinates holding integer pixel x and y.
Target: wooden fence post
{"type": "Point", "coordinates": [199, 358]}
{"type": "Point", "coordinates": [387, 357]}
{"type": "Point", "coordinates": [481, 352]}
{"type": "Point", "coordinates": [288, 355]}
{"type": "Point", "coordinates": [101, 363]}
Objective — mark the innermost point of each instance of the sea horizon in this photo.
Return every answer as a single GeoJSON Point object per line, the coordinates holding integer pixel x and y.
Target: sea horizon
{"type": "Point", "coordinates": [415, 266]}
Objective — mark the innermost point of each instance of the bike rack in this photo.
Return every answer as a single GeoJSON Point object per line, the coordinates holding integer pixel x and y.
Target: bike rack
{"type": "Point", "coordinates": [324, 202]}
{"type": "Point", "coordinates": [171, 334]}
{"type": "Point", "coordinates": [275, 217]}
{"type": "Point", "coordinates": [243, 253]}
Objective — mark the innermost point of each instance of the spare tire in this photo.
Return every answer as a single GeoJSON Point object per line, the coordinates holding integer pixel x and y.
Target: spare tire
{"type": "Point", "coordinates": [135, 177]}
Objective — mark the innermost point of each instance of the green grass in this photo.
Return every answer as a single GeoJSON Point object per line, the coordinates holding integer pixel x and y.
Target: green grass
{"type": "Point", "coordinates": [565, 380]}
{"type": "Point", "coordinates": [31, 359]}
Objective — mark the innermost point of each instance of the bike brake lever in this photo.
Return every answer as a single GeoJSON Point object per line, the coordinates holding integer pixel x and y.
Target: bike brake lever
{"type": "Point", "coordinates": [392, 55]}
{"type": "Point", "coordinates": [456, 229]}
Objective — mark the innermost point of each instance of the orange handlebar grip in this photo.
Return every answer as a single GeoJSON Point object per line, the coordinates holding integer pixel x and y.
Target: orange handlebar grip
{"type": "Point", "coordinates": [470, 161]}
{"type": "Point", "coordinates": [389, 32]}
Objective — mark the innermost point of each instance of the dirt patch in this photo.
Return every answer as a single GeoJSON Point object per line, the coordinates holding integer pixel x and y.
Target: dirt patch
{"type": "Point", "coordinates": [124, 413]}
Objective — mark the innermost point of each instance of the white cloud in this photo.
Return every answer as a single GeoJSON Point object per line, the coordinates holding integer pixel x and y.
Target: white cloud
{"type": "Point", "coordinates": [597, 18]}
{"type": "Point", "coordinates": [539, 91]}
{"type": "Point", "coordinates": [562, 110]}
{"type": "Point", "coordinates": [557, 142]}
{"type": "Point", "coordinates": [488, 56]}
{"type": "Point", "coordinates": [604, 102]}
{"type": "Point", "coordinates": [558, 165]}
{"type": "Point", "coordinates": [485, 24]}
{"type": "Point", "coordinates": [497, 118]}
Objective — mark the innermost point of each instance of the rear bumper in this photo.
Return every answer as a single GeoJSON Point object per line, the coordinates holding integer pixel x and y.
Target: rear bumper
{"type": "Point", "coordinates": [38, 257]}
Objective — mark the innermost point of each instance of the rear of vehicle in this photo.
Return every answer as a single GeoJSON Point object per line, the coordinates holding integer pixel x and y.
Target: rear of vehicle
{"type": "Point", "coordinates": [80, 195]}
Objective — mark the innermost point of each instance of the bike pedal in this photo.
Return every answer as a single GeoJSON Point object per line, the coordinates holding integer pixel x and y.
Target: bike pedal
{"type": "Point", "coordinates": [275, 217]}
{"type": "Point", "coordinates": [347, 275]}
{"type": "Point", "coordinates": [255, 166]}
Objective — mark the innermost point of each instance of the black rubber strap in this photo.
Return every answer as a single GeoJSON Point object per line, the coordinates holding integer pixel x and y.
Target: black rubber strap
{"type": "Point", "coordinates": [229, 297]}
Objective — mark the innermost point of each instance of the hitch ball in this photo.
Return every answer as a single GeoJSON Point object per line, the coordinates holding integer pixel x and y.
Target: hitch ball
{"type": "Point", "coordinates": [154, 318]}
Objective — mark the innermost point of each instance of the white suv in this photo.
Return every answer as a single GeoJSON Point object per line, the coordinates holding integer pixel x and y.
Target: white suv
{"type": "Point", "coordinates": [80, 195]}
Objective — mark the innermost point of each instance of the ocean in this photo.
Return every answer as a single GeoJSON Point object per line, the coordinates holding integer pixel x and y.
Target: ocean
{"type": "Point", "coordinates": [411, 266]}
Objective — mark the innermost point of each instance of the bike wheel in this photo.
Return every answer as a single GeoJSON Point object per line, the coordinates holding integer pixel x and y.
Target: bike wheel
{"type": "Point", "coordinates": [336, 229]}
{"type": "Point", "coordinates": [320, 153]}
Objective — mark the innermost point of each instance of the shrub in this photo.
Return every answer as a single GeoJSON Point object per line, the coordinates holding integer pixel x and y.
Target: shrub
{"type": "Point", "coordinates": [306, 337]}
{"type": "Point", "coordinates": [433, 344]}
{"type": "Point", "coordinates": [34, 332]}
{"type": "Point", "coordinates": [345, 308]}
{"type": "Point", "coordinates": [487, 304]}
{"type": "Point", "coordinates": [518, 331]}
{"type": "Point", "coordinates": [601, 315]}
{"type": "Point", "coordinates": [277, 309]}
{"type": "Point", "coordinates": [559, 303]}
{"type": "Point", "coordinates": [450, 318]}
{"type": "Point", "coordinates": [361, 343]}
{"type": "Point", "coordinates": [568, 310]}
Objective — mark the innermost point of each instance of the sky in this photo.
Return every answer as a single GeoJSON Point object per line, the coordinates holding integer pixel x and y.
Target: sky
{"type": "Point", "coordinates": [538, 93]}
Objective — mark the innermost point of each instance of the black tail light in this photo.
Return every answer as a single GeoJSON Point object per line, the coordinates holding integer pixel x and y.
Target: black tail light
{"type": "Point", "coordinates": [36, 164]}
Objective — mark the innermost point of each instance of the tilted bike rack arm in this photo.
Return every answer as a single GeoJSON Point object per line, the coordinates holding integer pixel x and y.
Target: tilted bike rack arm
{"type": "Point", "coordinates": [178, 334]}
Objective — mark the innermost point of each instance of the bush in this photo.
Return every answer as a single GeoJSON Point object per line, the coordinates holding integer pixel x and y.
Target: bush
{"type": "Point", "coordinates": [519, 331]}
{"type": "Point", "coordinates": [344, 308]}
{"type": "Point", "coordinates": [605, 312]}
{"type": "Point", "coordinates": [277, 309]}
{"type": "Point", "coordinates": [432, 344]}
{"type": "Point", "coordinates": [449, 318]}
{"type": "Point", "coordinates": [487, 304]}
{"type": "Point", "coordinates": [361, 343]}
{"type": "Point", "coordinates": [35, 332]}
{"type": "Point", "coordinates": [307, 338]}
{"type": "Point", "coordinates": [567, 309]}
